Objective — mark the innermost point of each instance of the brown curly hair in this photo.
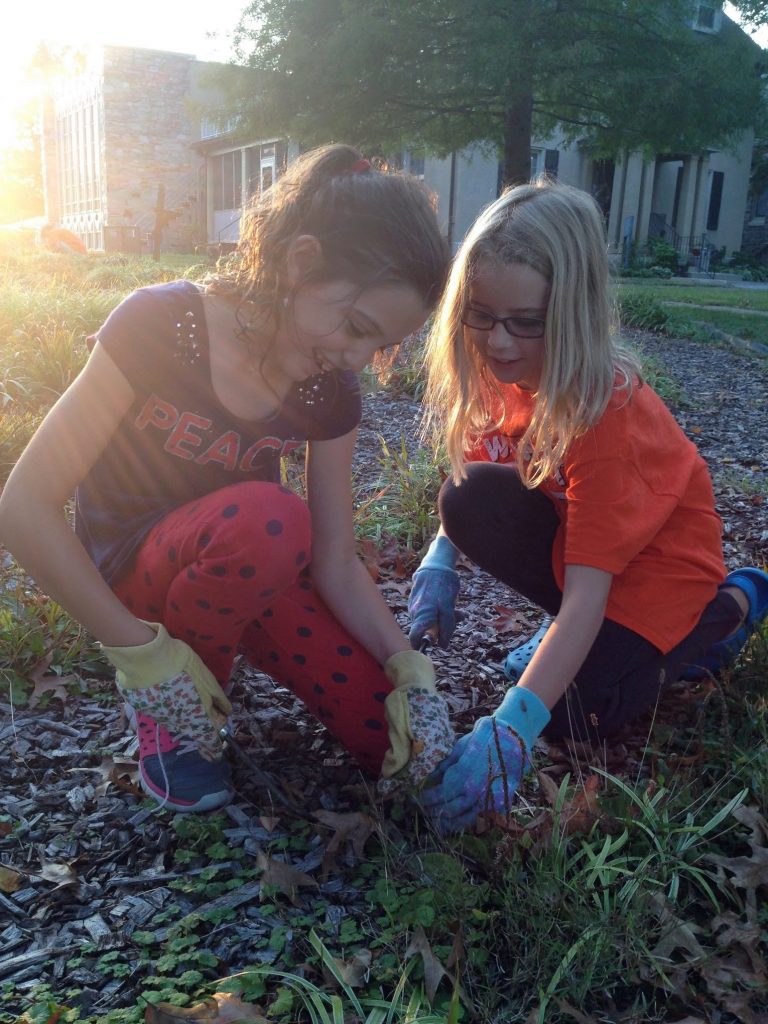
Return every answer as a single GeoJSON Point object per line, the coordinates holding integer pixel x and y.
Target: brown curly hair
{"type": "Point", "coordinates": [372, 225]}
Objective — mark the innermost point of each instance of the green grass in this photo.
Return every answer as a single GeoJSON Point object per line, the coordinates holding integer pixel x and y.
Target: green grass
{"type": "Point", "coordinates": [750, 328]}
{"type": "Point", "coordinates": [739, 298]}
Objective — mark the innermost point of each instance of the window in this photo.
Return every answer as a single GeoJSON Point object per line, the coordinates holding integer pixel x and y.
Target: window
{"type": "Point", "coordinates": [227, 169]}
{"type": "Point", "coordinates": [415, 164]}
{"type": "Point", "coordinates": [79, 132]}
{"type": "Point", "coordinates": [252, 169]}
{"type": "Point", "coordinates": [708, 17]}
{"type": "Point", "coordinates": [211, 127]}
{"type": "Point", "coordinates": [551, 163]}
{"type": "Point", "coordinates": [715, 199]}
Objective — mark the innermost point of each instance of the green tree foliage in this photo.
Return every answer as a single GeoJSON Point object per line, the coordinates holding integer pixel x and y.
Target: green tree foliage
{"type": "Point", "coordinates": [754, 12]}
{"type": "Point", "coordinates": [440, 74]}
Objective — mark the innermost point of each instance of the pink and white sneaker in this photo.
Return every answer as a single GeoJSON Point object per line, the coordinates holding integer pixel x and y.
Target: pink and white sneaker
{"type": "Point", "coordinates": [174, 773]}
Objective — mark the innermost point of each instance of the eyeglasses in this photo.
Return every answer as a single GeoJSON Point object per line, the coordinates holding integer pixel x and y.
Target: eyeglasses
{"type": "Point", "coordinates": [518, 326]}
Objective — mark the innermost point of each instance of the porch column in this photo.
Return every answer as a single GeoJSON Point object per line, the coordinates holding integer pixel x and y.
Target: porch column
{"type": "Point", "coordinates": [645, 200]}
{"type": "Point", "coordinates": [631, 197]}
{"type": "Point", "coordinates": [689, 190]}
{"type": "Point", "coordinates": [617, 202]}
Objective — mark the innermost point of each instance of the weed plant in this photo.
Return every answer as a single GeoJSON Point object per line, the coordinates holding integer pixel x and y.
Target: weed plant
{"type": "Point", "coordinates": [37, 635]}
{"type": "Point", "coordinates": [403, 507]}
{"type": "Point", "coordinates": [644, 311]}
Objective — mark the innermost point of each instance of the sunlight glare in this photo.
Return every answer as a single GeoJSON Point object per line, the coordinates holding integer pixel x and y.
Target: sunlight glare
{"type": "Point", "coordinates": [83, 24]}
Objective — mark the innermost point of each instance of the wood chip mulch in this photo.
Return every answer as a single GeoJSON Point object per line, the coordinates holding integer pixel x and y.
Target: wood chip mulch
{"type": "Point", "coordinates": [95, 864]}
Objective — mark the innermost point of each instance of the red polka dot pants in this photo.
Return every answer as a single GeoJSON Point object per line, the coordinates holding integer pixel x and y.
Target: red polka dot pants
{"type": "Point", "coordinates": [227, 573]}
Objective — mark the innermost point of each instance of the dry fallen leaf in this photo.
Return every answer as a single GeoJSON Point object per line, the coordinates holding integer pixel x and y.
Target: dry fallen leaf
{"type": "Point", "coordinates": [748, 873]}
{"type": "Point", "coordinates": [121, 772]}
{"type": "Point", "coordinates": [581, 812]}
{"type": "Point", "coordinates": [220, 1008]}
{"type": "Point", "coordinates": [282, 876]}
{"type": "Point", "coordinates": [508, 620]}
{"type": "Point", "coordinates": [732, 932]}
{"type": "Point", "coordinates": [45, 682]}
{"type": "Point", "coordinates": [353, 828]}
{"type": "Point", "coordinates": [10, 880]}
{"type": "Point", "coordinates": [434, 971]}
{"type": "Point", "coordinates": [352, 972]}
{"type": "Point", "coordinates": [63, 875]}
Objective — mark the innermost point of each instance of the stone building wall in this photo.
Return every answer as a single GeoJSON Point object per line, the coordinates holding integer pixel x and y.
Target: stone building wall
{"type": "Point", "coordinates": [149, 128]}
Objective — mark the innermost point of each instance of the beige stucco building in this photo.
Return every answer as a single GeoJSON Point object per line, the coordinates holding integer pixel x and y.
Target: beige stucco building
{"type": "Point", "coordinates": [692, 201]}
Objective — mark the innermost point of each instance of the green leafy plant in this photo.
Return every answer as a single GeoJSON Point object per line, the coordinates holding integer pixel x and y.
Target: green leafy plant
{"type": "Point", "coordinates": [644, 311]}
{"type": "Point", "coordinates": [322, 1007]}
{"type": "Point", "coordinates": [37, 635]}
{"type": "Point", "coordinates": [403, 505]}
{"type": "Point", "coordinates": [662, 254]}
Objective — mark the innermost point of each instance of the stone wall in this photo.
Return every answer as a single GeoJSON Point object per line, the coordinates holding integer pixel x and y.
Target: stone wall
{"type": "Point", "coordinates": [149, 129]}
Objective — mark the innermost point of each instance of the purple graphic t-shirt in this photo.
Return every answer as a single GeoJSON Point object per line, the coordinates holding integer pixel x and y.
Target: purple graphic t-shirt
{"type": "Point", "coordinates": [178, 442]}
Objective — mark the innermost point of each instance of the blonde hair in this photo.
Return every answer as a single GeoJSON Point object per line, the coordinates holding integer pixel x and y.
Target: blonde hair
{"type": "Point", "coordinates": [559, 232]}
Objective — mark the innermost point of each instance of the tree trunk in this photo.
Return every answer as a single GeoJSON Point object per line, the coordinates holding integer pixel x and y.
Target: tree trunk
{"type": "Point", "coordinates": [518, 119]}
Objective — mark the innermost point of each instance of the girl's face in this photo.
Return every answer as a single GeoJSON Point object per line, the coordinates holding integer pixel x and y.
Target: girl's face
{"type": "Point", "coordinates": [521, 293]}
{"type": "Point", "coordinates": [337, 325]}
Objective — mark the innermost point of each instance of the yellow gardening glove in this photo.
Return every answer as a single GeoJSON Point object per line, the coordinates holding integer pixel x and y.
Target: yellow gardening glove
{"type": "Point", "coordinates": [420, 732]}
{"type": "Point", "coordinates": [166, 680]}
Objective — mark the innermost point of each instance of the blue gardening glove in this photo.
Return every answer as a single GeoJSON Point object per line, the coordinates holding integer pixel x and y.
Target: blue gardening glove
{"type": "Point", "coordinates": [435, 587]}
{"type": "Point", "coordinates": [485, 767]}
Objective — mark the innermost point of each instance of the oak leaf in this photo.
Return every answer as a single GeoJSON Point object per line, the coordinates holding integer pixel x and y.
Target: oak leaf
{"type": "Point", "coordinates": [284, 877]}
{"type": "Point", "coordinates": [434, 972]}
{"type": "Point", "coordinates": [353, 828]}
{"type": "Point", "coordinates": [44, 682]}
{"type": "Point", "coordinates": [353, 972]}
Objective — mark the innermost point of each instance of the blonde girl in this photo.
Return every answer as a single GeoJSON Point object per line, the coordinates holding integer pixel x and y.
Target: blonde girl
{"type": "Point", "coordinates": [572, 483]}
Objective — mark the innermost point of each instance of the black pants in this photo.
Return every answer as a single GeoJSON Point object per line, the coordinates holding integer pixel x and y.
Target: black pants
{"type": "Point", "coordinates": [508, 531]}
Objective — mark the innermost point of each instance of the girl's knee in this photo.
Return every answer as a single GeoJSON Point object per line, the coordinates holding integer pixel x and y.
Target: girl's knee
{"type": "Point", "coordinates": [262, 512]}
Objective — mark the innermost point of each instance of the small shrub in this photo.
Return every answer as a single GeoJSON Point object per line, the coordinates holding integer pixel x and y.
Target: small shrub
{"type": "Point", "coordinates": [644, 311]}
{"type": "Point", "coordinates": [404, 504]}
{"type": "Point", "coordinates": [663, 254]}
{"type": "Point", "coordinates": [654, 271]}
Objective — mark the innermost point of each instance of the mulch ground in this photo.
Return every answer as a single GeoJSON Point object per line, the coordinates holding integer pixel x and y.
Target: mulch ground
{"type": "Point", "coordinates": [96, 864]}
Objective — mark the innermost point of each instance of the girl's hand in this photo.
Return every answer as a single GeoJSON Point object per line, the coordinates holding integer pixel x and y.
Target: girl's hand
{"type": "Point", "coordinates": [166, 680]}
{"type": "Point", "coordinates": [481, 775]}
{"type": "Point", "coordinates": [486, 766]}
{"type": "Point", "coordinates": [420, 732]}
{"type": "Point", "coordinates": [432, 601]}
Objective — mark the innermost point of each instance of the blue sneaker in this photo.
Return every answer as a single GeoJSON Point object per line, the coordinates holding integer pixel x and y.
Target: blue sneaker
{"type": "Point", "coordinates": [174, 773]}
{"type": "Point", "coordinates": [754, 584]}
